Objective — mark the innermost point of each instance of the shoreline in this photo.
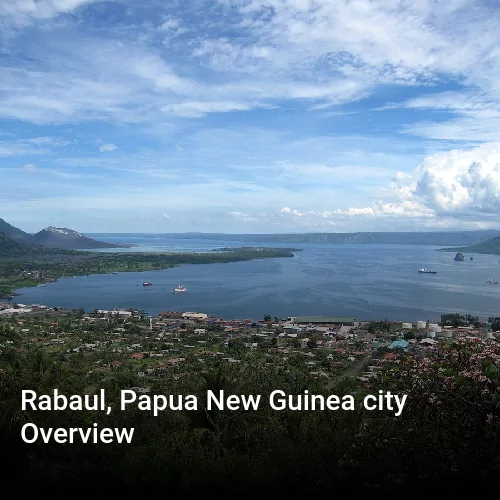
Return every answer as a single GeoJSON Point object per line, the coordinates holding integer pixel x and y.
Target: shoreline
{"type": "Point", "coordinates": [255, 254]}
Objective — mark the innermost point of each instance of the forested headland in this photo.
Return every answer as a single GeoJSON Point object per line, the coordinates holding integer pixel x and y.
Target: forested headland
{"type": "Point", "coordinates": [23, 266]}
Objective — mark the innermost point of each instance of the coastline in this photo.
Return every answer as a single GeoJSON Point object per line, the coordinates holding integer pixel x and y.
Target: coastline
{"type": "Point", "coordinates": [138, 262]}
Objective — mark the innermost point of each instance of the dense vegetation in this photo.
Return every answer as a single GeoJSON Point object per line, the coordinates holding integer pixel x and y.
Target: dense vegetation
{"type": "Point", "coordinates": [447, 435]}
{"type": "Point", "coordinates": [456, 320]}
{"type": "Point", "coordinates": [491, 246]}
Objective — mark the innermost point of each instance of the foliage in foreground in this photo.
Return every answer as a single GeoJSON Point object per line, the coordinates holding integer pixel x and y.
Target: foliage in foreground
{"type": "Point", "coordinates": [449, 431]}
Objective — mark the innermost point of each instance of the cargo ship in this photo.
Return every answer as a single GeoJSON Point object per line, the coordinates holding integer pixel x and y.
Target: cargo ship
{"type": "Point", "coordinates": [491, 281]}
{"type": "Point", "coordinates": [427, 271]}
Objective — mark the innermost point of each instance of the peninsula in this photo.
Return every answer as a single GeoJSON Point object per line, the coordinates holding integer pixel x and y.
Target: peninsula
{"type": "Point", "coordinates": [491, 246]}
{"type": "Point", "coordinates": [23, 265]}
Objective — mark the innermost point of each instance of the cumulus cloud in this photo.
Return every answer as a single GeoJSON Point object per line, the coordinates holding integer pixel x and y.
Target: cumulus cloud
{"type": "Point", "coordinates": [459, 184]}
{"type": "Point", "coordinates": [287, 210]}
{"type": "Point", "coordinates": [456, 182]}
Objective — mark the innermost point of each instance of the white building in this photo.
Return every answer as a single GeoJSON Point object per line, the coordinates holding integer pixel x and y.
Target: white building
{"type": "Point", "coordinates": [194, 315]}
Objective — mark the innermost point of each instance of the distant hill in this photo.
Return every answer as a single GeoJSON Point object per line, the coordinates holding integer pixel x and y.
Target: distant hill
{"type": "Point", "coordinates": [13, 232]}
{"type": "Point", "coordinates": [9, 246]}
{"type": "Point", "coordinates": [437, 238]}
{"type": "Point", "coordinates": [60, 237]}
{"type": "Point", "coordinates": [491, 246]}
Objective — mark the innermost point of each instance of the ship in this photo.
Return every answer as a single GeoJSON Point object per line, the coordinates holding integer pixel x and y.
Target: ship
{"type": "Point", "coordinates": [427, 271]}
{"type": "Point", "coordinates": [491, 281]}
{"type": "Point", "coordinates": [179, 288]}
{"type": "Point", "coordinates": [147, 283]}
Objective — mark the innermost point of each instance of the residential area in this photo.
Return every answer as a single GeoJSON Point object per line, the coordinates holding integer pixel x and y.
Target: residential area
{"type": "Point", "coordinates": [178, 344]}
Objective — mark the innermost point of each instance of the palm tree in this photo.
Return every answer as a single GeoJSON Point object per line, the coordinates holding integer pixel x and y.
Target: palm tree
{"type": "Point", "coordinates": [223, 427]}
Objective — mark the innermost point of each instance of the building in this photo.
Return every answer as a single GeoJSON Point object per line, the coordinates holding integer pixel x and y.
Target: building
{"type": "Point", "coordinates": [321, 320]}
{"type": "Point", "coordinates": [195, 316]}
{"type": "Point", "coordinates": [399, 344]}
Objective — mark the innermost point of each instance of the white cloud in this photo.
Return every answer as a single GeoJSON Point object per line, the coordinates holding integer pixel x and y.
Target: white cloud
{"type": "Point", "coordinates": [457, 186]}
{"type": "Point", "coordinates": [163, 62]}
{"type": "Point", "coordinates": [287, 210]}
{"type": "Point", "coordinates": [23, 11]}
{"type": "Point", "coordinates": [323, 51]}
{"type": "Point", "coordinates": [30, 146]}
{"type": "Point", "coordinates": [107, 147]}
{"type": "Point", "coordinates": [198, 109]}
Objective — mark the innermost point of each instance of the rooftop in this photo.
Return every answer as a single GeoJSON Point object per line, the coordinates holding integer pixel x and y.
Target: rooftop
{"type": "Point", "coordinates": [323, 319]}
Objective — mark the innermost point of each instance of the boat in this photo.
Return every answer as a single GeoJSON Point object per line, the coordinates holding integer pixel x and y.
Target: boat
{"type": "Point", "coordinates": [147, 283]}
{"type": "Point", "coordinates": [179, 288]}
{"type": "Point", "coordinates": [491, 281]}
{"type": "Point", "coordinates": [427, 271]}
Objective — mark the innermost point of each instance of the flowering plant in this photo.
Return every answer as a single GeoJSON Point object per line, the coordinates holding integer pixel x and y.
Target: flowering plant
{"type": "Point", "coordinates": [453, 403]}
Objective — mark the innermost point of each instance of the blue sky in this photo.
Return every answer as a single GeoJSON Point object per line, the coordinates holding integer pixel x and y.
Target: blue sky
{"type": "Point", "coordinates": [249, 115]}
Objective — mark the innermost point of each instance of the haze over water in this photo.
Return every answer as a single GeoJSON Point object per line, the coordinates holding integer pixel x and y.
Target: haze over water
{"type": "Point", "coordinates": [360, 281]}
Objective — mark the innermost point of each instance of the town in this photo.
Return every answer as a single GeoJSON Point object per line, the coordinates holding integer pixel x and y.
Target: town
{"type": "Point", "coordinates": [176, 344]}
{"type": "Point", "coordinates": [433, 384]}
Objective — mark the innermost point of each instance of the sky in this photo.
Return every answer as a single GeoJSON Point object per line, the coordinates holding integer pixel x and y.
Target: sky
{"type": "Point", "coordinates": [250, 116]}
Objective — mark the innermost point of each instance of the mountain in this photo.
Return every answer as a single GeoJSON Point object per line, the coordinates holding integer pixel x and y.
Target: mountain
{"type": "Point", "coordinates": [61, 237]}
{"type": "Point", "coordinates": [10, 247]}
{"type": "Point", "coordinates": [432, 238]}
{"type": "Point", "coordinates": [13, 232]}
{"type": "Point", "coordinates": [491, 246]}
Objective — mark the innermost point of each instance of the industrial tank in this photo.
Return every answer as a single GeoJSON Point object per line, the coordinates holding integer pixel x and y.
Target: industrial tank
{"type": "Point", "coordinates": [421, 325]}
{"type": "Point", "coordinates": [431, 335]}
{"type": "Point", "coordinates": [434, 328]}
{"type": "Point", "coordinates": [407, 326]}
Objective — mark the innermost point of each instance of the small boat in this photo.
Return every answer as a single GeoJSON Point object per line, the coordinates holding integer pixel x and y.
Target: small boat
{"type": "Point", "coordinates": [491, 281]}
{"type": "Point", "coordinates": [423, 270]}
{"type": "Point", "coordinates": [179, 288]}
{"type": "Point", "coordinates": [147, 283]}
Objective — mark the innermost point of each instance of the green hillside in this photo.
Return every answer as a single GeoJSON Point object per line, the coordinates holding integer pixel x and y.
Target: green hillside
{"type": "Point", "coordinates": [10, 247]}
{"type": "Point", "coordinates": [12, 232]}
{"type": "Point", "coordinates": [491, 246]}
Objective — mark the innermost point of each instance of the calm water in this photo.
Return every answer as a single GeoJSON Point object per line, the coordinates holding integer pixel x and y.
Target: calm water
{"type": "Point", "coordinates": [362, 281]}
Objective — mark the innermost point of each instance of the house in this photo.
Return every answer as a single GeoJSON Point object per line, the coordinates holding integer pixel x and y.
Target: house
{"type": "Point", "coordinates": [399, 344]}
{"type": "Point", "coordinates": [390, 356]}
